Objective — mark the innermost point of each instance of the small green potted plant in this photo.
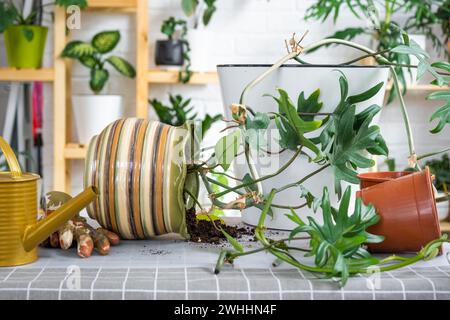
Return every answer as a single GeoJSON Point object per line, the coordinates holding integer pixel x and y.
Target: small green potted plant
{"type": "Point", "coordinates": [25, 38]}
{"type": "Point", "coordinates": [94, 112]}
{"type": "Point", "coordinates": [174, 52]}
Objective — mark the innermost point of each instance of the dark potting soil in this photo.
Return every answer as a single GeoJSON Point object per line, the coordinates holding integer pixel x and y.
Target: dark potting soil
{"type": "Point", "coordinates": [203, 231]}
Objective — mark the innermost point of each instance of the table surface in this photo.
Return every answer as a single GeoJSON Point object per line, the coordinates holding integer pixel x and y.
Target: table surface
{"type": "Point", "coordinates": [175, 269]}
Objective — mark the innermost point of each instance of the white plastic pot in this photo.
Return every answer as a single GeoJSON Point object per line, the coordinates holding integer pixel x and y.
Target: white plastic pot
{"type": "Point", "coordinates": [294, 79]}
{"type": "Point", "coordinates": [198, 40]}
{"type": "Point", "coordinates": [93, 113]}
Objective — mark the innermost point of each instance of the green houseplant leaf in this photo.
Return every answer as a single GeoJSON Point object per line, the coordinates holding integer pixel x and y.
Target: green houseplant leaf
{"type": "Point", "coordinates": [292, 127]}
{"type": "Point", "coordinates": [88, 61]}
{"type": "Point", "coordinates": [227, 148]}
{"type": "Point", "coordinates": [98, 79]}
{"type": "Point", "coordinates": [209, 11]}
{"type": "Point", "coordinates": [443, 113]}
{"type": "Point", "coordinates": [106, 41]}
{"type": "Point", "coordinates": [122, 66]}
{"type": "Point", "coordinates": [337, 243]}
{"type": "Point", "coordinates": [77, 49]}
{"type": "Point", "coordinates": [189, 6]}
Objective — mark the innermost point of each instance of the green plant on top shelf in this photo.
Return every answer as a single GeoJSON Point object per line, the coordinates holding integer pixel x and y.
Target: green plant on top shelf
{"type": "Point", "coordinates": [200, 10]}
{"type": "Point", "coordinates": [91, 55]}
{"type": "Point", "coordinates": [387, 31]}
{"type": "Point", "coordinates": [180, 112]}
{"type": "Point", "coordinates": [12, 14]}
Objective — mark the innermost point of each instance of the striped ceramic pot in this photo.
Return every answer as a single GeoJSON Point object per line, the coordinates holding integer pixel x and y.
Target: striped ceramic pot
{"type": "Point", "coordinates": [139, 168]}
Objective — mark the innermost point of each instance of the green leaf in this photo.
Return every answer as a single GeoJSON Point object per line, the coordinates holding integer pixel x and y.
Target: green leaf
{"type": "Point", "coordinates": [309, 105]}
{"type": "Point", "coordinates": [98, 79]}
{"type": "Point", "coordinates": [259, 121]}
{"type": "Point", "coordinates": [207, 15]}
{"type": "Point", "coordinates": [122, 66]}
{"type": "Point", "coordinates": [28, 34]}
{"type": "Point", "coordinates": [443, 65]}
{"type": "Point", "coordinates": [227, 148]}
{"type": "Point", "coordinates": [443, 113]}
{"type": "Point", "coordinates": [365, 95]}
{"type": "Point", "coordinates": [236, 245]}
{"type": "Point", "coordinates": [340, 268]}
{"type": "Point", "coordinates": [106, 41]}
{"type": "Point", "coordinates": [248, 179]}
{"type": "Point", "coordinates": [88, 61]}
{"type": "Point", "coordinates": [293, 122]}
{"type": "Point", "coordinates": [208, 121]}
{"type": "Point", "coordinates": [189, 6]}
{"type": "Point", "coordinates": [8, 15]}
{"type": "Point", "coordinates": [78, 49]}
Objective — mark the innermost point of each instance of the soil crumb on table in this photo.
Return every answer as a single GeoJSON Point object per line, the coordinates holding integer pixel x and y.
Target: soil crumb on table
{"type": "Point", "coordinates": [203, 231]}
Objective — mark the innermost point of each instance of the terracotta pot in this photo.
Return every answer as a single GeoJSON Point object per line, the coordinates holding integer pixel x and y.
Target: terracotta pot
{"type": "Point", "coordinates": [139, 168]}
{"type": "Point", "coordinates": [407, 209]}
{"type": "Point", "coordinates": [369, 179]}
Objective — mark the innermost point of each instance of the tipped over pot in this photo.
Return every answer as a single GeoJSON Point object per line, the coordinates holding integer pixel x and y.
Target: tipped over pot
{"type": "Point", "coordinates": [139, 168]}
{"type": "Point", "coordinates": [407, 207]}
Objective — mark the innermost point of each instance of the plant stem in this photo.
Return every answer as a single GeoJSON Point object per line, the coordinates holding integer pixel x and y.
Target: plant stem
{"type": "Point", "coordinates": [225, 174]}
{"type": "Point", "coordinates": [294, 184]}
{"type": "Point", "coordinates": [248, 155]}
{"type": "Point", "coordinates": [193, 198]}
{"type": "Point", "coordinates": [281, 169]}
{"type": "Point", "coordinates": [241, 193]}
{"type": "Point", "coordinates": [426, 155]}
{"type": "Point", "coordinates": [412, 151]}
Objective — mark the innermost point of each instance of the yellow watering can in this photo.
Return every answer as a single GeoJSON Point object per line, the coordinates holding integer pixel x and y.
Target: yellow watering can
{"type": "Point", "coordinates": [20, 232]}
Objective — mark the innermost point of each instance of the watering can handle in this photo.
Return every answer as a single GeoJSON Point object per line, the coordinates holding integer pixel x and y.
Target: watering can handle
{"type": "Point", "coordinates": [11, 159]}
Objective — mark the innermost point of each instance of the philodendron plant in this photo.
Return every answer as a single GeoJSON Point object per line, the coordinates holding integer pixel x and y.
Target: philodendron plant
{"type": "Point", "coordinates": [91, 55]}
{"type": "Point", "coordinates": [342, 140]}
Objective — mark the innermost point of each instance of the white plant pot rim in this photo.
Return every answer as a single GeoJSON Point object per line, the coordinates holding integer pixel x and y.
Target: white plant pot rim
{"type": "Point", "coordinates": [244, 65]}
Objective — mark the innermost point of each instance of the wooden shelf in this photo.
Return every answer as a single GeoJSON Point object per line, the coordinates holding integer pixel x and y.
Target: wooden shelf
{"type": "Point", "coordinates": [171, 76]}
{"type": "Point", "coordinates": [107, 4]}
{"type": "Point", "coordinates": [12, 74]}
{"type": "Point", "coordinates": [75, 151]}
{"type": "Point", "coordinates": [420, 87]}
{"type": "Point", "coordinates": [445, 226]}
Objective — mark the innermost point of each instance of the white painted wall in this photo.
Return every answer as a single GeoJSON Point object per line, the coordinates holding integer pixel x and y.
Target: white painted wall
{"type": "Point", "coordinates": [244, 31]}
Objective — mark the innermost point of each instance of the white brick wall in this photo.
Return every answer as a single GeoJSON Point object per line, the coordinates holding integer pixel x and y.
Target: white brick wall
{"type": "Point", "coordinates": [250, 31]}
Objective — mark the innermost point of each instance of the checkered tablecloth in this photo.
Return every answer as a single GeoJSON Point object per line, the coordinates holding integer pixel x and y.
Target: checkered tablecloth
{"type": "Point", "coordinates": [167, 269]}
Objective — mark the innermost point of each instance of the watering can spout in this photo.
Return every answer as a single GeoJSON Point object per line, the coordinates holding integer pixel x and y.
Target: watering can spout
{"type": "Point", "coordinates": [36, 233]}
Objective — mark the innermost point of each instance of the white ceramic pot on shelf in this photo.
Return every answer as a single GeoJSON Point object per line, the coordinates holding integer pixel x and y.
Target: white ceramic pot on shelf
{"type": "Point", "coordinates": [93, 113]}
{"type": "Point", "coordinates": [198, 40]}
{"type": "Point", "coordinates": [294, 79]}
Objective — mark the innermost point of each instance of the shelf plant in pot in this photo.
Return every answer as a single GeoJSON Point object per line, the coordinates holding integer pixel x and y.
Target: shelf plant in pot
{"type": "Point", "coordinates": [148, 189]}
{"type": "Point", "coordinates": [94, 112]}
{"type": "Point", "coordinates": [25, 37]}
{"type": "Point", "coordinates": [174, 52]}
